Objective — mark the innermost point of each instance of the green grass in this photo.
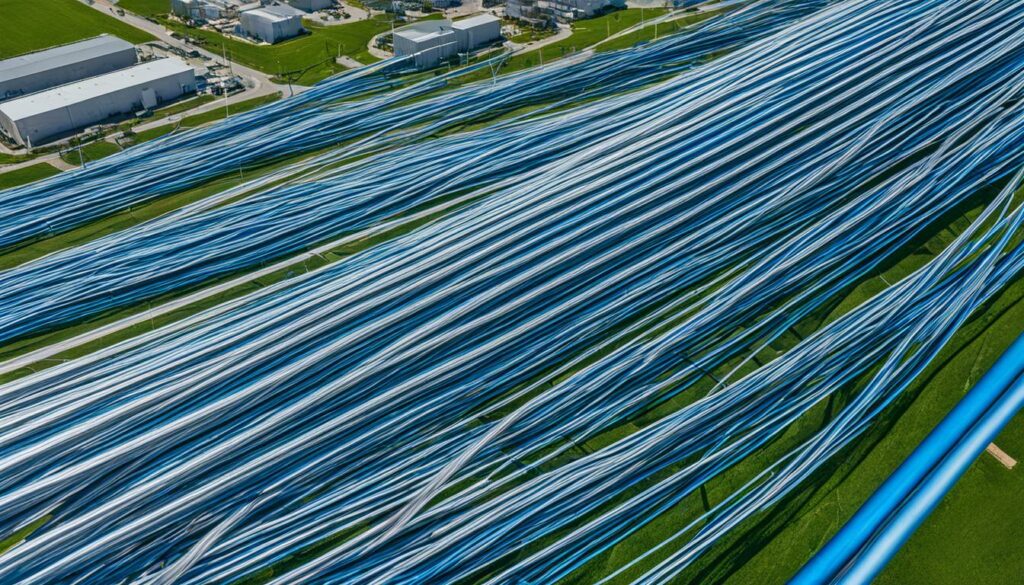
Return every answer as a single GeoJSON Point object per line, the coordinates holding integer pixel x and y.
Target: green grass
{"type": "Point", "coordinates": [305, 59]}
{"type": "Point", "coordinates": [647, 32]}
{"type": "Point", "coordinates": [153, 133]}
{"type": "Point", "coordinates": [971, 538]}
{"type": "Point", "coordinates": [527, 34]}
{"type": "Point", "coordinates": [90, 152]}
{"type": "Point", "coordinates": [148, 8]}
{"type": "Point", "coordinates": [26, 175]}
{"type": "Point", "coordinates": [11, 159]}
{"type": "Point", "coordinates": [20, 535]}
{"type": "Point", "coordinates": [182, 106]}
{"type": "Point", "coordinates": [975, 533]}
{"type": "Point", "coordinates": [584, 34]}
{"type": "Point", "coordinates": [31, 25]}
{"type": "Point", "coordinates": [235, 108]}
{"type": "Point", "coordinates": [205, 117]}
{"type": "Point", "coordinates": [587, 33]}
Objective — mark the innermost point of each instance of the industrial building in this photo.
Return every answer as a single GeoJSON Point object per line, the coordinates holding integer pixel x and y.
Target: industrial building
{"type": "Point", "coordinates": [476, 31]}
{"type": "Point", "coordinates": [433, 41]}
{"type": "Point", "coordinates": [32, 119]}
{"type": "Point", "coordinates": [271, 24]}
{"type": "Point", "coordinates": [311, 5]}
{"type": "Point", "coordinates": [546, 12]}
{"type": "Point", "coordinates": [204, 10]}
{"type": "Point", "coordinates": [64, 64]}
{"type": "Point", "coordinates": [430, 41]}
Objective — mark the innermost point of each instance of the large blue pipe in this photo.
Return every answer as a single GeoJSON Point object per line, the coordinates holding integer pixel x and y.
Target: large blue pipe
{"type": "Point", "coordinates": [932, 464]}
{"type": "Point", "coordinates": [878, 553]}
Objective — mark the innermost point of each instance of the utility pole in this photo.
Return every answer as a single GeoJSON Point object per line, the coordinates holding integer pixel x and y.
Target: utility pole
{"type": "Point", "coordinates": [81, 159]}
{"type": "Point", "coordinates": [224, 55]}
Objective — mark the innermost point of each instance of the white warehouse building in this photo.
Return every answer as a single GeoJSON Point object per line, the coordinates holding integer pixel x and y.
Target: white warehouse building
{"type": "Point", "coordinates": [312, 5]}
{"type": "Point", "coordinates": [31, 120]}
{"type": "Point", "coordinates": [476, 31]}
{"type": "Point", "coordinates": [433, 41]}
{"type": "Point", "coordinates": [203, 10]}
{"type": "Point", "coordinates": [64, 64]}
{"type": "Point", "coordinates": [272, 23]}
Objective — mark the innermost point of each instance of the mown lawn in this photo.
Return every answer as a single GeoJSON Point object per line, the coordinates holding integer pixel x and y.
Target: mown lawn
{"type": "Point", "coordinates": [305, 59]}
{"type": "Point", "coordinates": [203, 118]}
{"type": "Point", "coordinates": [584, 34]}
{"type": "Point", "coordinates": [10, 159]}
{"type": "Point", "coordinates": [31, 25]}
{"type": "Point", "coordinates": [90, 152]}
{"type": "Point", "coordinates": [974, 535]}
{"type": "Point", "coordinates": [235, 108]}
{"type": "Point", "coordinates": [26, 175]}
{"type": "Point", "coordinates": [146, 7]}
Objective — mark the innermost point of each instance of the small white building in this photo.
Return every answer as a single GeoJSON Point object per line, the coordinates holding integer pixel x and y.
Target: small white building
{"type": "Point", "coordinates": [433, 41]}
{"type": "Point", "coordinates": [430, 41]}
{"type": "Point", "coordinates": [59, 65]}
{"type": "Point", "coordinates": [203, 10]}
{"type": "Point", "coordinates": [31, 120]}
{"type": "Point", "coordinates": [272, 23]}
{"type": "Point", "coordinates": [477, 31]}
{"type": "Point", "coordinates": [311, 5]}
{"type": "Point", "coordinates": [564, 11]}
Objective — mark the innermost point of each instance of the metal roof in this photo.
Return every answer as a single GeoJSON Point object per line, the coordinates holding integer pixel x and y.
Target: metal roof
{"type": "Point", "coordinates": [476, 20]}
{"type": "Point", "coordinates": [275, 12]}
{"type": "Point", "coordinates": [31, 63]}
{"type": "Point", "coordinates": [93, 87]}
{"type": "Point", "coordinates": [424, 29]}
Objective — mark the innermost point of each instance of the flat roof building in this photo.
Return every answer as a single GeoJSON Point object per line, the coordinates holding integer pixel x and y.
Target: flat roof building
{"type": "Point", "coordinates": [428, 41]}
{"type": "Point", "coordinates": [311, 5]}
{"type": "Point", "coordinates": [59, 65]}
{"type": "Point", "coordinates": [549, 11]}
{"type": "Point", "coordinates": [432, 41]}
{"type": "Point", "coordinates": [272, 23]}
{"type": "Point", "coordinates": [203, 10]}
{"type": "Point", "coordinates": [33, 119]}
{"type": "Point", "coordinates": [477, 31]}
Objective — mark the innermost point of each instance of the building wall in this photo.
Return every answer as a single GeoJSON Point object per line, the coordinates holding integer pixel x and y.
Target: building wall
{"type": "Point", "coordinates": [471, 37]}
{"type": "Point", "coordinates": [68, 72]}
{"type": "Point", "coordinates": [202, 10]}
{"type": "Point", "coordinates": [311, 5]}
{"type": "Point", "coordinates": [429, 52]}
{"type": "Point", "coordinates": [539, 11]}
{"type": "Point", "coordinates": [33, 130]}
{"type": "Point", "coordinates": [271, 31]}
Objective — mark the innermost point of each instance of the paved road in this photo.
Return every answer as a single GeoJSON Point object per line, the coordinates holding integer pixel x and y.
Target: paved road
{"type": "Point", "coordinates": [260, 79]}
{"type": "Point", "coordinates": [262, 85]}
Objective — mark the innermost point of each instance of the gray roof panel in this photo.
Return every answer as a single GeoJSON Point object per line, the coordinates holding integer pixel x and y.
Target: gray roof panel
{"type": "Point", "coordinates": [45, 60]}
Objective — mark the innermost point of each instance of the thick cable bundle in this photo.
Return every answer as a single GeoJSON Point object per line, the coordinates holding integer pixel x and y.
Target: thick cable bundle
{"type": "Point", "coordinates": [416, 397]}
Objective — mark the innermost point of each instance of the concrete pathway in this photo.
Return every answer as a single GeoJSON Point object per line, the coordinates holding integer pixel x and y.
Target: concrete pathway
{"type": "Point", "coordinates": [259, 78]}
{"type": "Point", "coordinates": [1001, 456]}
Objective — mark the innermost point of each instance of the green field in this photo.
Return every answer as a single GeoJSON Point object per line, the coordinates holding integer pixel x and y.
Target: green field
{"type": "Point", "coordinates": [26, 175]}
{"type": "Point", "coordinates": [235, 108]}
{"type": "Point", "coordinates": [31, 25]}
{"type": "Point", "coordinates": [90, 152]}
{"type": "Point", "coordinates": [10, 159]}
{"type": "Point", "coordinates": [182, 106]}
{"type": "Point", "coordinates": [972, 538]}
{"type": "Point", "coordinates": [584, 34]}
{"type": "Point", "coordinates": [205, 117]}
{"type": "Point", "coordinates": [146, 7]}
{"type": "Point", "coordinates": [306, 59]}
{"type": "Point", "coordinates": [974, 535]}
